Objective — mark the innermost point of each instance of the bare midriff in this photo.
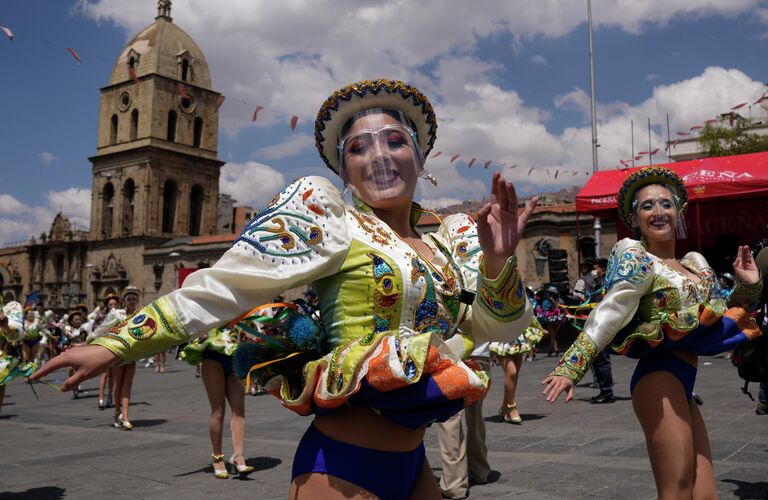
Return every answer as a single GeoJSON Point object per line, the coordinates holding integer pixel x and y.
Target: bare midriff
{"type": "Point", "coordinates": [360, 426]}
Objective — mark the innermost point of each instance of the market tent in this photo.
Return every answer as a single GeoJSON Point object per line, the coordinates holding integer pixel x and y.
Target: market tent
{"type": "Point", "coordinates": [728, 201]}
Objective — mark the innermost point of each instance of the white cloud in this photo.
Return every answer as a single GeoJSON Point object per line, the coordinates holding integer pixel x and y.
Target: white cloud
{"type": "Point", "coordinates": [652, 77]}
{"type": "Point", "coordinates": [438, 203]}
{"type": "Point", "coordinates": [10, 205]}
{"type": "Point", "coordinates": [47, 158]}
{"type": "Point", "coordinates": [250, 183]}
{"type": "Point", "coordinates": [539, 60]}
{"type": "Point", "coordinates": [294, 145]}
{"type": "Point", "coordinates": [289, 60]}
{"type": "Point", "coordinates": [19, 221]}
{"type": "Point", "coordinates": [75, 203]}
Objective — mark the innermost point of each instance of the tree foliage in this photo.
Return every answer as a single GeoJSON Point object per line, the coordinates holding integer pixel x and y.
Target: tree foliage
{"type": "Point", "coordinates": [734, 140]}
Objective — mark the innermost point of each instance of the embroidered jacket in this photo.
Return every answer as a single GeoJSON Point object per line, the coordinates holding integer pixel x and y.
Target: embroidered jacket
{"type": "Point", "coordinates": [649, 306]}
{"type": "Point", "coordinates": [389, 314]}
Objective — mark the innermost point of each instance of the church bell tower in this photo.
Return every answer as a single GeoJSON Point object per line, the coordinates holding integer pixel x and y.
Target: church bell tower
{"type": "Point", "coordinates": [156, 168]}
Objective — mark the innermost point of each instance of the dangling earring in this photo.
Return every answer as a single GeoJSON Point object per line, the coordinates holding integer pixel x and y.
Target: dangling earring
{"type": "Point", "coordinates": [431, 178]}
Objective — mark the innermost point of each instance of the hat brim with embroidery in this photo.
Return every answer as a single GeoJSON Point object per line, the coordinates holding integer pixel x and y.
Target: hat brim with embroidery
{"type": "Point", "coordinates": [368, 94]}
{"type": "Point", "coordinates": [645, 177]}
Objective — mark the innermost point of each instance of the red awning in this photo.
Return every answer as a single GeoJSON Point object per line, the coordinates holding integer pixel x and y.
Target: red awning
{"type": "Point", "coordinates": [743, 176]}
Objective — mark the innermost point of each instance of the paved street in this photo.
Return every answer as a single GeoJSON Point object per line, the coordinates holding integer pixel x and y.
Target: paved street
{"type": "Point", "coordinates": [57, 447]}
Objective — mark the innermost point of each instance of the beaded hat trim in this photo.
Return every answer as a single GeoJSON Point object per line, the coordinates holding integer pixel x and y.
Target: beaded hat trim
{"type": "Point", "coordinates": [367, 94]}
{"type": "Point", "coordinates": [644, 177]}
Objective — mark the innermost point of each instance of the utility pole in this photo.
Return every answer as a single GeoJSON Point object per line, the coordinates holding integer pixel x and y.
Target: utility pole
{"type": "Point", "coordinates": [594, 113]}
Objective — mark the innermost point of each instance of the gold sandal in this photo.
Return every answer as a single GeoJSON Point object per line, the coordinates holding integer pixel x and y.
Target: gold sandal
{"type": "Point", "coordinates": [506, 414]}
{"type": "Point", "coordinates": [219, 459]}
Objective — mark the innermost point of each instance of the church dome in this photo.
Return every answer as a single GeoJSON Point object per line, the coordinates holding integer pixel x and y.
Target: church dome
{"type": "Point", "coordinates": [162, 48]}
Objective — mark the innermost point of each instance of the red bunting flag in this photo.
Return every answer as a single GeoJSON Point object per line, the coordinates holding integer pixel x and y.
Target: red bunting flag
{"type": "Point", "coordinates": [182, 90]}
{"type": "Point", "coordinates": [654, 151]}
{"type": "Point", "coordinates": [623, 162]}
{"type": "Point", "coordinates": [711, 121]}
{"type": "Point", "coordinates": [132, 74]}
{"type": "Point", "coordinates": [556, 172]}
{"type": "Point", "coordinates": [294, 121]}
{"type": "Point", "coordinates": [641, 153]}
{"type": "Point", "coordinates": [436, 154]}
{"type": "Point", "coordinates": [682, 134]}
{"type": "Point", "coordinates": [256, 113]}
{"type": "Point", "coordinates": [454, 158]}
{"type": "Point", "coordinates": [8, 32]}
{"type": "Point", "coordinates": [574, 174]}
{"type": "Point", "coordinates": [696, 127]}
{"type": "Point", "coordinates": [219, 102]}
{"type": "Point", "coordinates": [740, 105]}
{"type": "Point", "coordinates": [761, 99]}
{"type": "Point", "coordinates": [487, 164]}
{"type": "Point", "coordinates": [74, 54]}
{"type": "Point", "coordinates": [471, 162]}
{"type": "Point", "coordinates": [513, 166]}
{"type": "Point", "coordinates": [638, 157]}
{"type": "Point", "coordinates": [529, 172]}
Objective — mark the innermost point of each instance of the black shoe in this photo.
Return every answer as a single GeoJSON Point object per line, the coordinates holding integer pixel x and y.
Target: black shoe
{"type": "Point", "coordinates": [602, 399]}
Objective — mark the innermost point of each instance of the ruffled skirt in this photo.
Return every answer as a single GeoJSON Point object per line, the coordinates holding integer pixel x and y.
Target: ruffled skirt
{"type": "Point", "coordinates": [715, 332]}
{"type": "Point", "coordinates": [12, 367]}
{"type": "Point", "coordinates": [408, 378]}
{"type": "Point", "coordinates": [522, 344]}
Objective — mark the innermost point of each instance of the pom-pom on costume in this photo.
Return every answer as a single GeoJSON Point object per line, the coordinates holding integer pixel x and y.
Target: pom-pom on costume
{"type": "Point", "coordinates": [650, 309]}
{"type": "Point", "coordinates": [11, 366]}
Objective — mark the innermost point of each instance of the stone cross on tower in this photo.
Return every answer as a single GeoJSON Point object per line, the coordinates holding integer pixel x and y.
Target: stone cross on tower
{"type": "Point", "coordinates": [164, 9]}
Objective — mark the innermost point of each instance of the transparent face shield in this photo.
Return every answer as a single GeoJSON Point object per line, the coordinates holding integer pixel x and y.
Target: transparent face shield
{"type": "Point", "coordinates": [657, 215]}
{"type": "Point", "coordinates": [379, 155]}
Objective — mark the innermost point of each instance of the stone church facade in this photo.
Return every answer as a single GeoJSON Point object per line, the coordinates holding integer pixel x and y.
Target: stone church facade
{"type": "Point", "coordinates": [155, 203]}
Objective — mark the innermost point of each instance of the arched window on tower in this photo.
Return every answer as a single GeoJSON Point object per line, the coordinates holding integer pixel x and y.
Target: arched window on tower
{"type": "Point", "coordinates": [129, 188]}
{"type": "Point", "coordinates": [113, 130]}
{"type": "Point", "coordinates": [170, 195]}
{"type": "Point", "coordinates": [107, 210]}
{"type": "Point", "coordinates": [185, 70]}
{"type": "Point", "coordinates": [198, 137]}
{"type": "Point", "coordinates": [195, 210]}
{"type": "Point", "coordinates": [134, 124]}
{"type": "Point", "coordinates": [172, 126]}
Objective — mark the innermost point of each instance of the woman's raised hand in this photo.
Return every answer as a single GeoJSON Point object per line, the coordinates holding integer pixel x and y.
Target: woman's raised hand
{"type": "Point", "coordinates": [498, 225]}
{"type": "Point", "coordinates": [555, 385]}
{"type": "Point", "coordinates": [87, 361]}
{"type": "Point", "coordinates": [744, 267]}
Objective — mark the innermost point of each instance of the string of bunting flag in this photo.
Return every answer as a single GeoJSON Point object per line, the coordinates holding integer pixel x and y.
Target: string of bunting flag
{"type": "Point", "coordinates": [731, 116]}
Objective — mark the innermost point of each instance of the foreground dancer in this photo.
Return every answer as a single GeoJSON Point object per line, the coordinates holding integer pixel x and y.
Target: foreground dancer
{"type": "Point", "coordinates": [391, 300]}
{"type": "Point", "coordinates": [666, 312]}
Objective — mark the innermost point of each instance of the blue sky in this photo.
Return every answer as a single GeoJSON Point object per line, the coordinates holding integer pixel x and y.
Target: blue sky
{"type": "Point", "coordinates": [509, 81]}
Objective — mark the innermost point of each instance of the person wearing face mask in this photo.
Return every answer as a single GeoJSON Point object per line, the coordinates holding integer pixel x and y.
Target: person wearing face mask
{"type": "Point", "coordinates": [664, 312]}
{"type": "Point", "coordinates": [399, 308]}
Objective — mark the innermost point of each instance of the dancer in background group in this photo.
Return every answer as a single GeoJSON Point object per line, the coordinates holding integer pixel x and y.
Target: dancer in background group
{"type": "Point", "coordinates": [510, 356]}
{"type": "Point", "coordinates": [124, 373]}
{"type": "Point", "coordinates": [665, 312]}
{"type": "Point", "coordinates": [11, 331]}
{"type": "Point", "coordinates": [394, 303]}
{"type": "Point", "coordinates": [30, 342]}
{"type": "Point", "coordinates": [214, 354]}
{"type": "Point", "coordinates": [106, 379]}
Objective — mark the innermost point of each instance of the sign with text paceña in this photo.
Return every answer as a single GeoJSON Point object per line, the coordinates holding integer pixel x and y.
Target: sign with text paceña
{"type": "Point", "coordinates": [740, 176]}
